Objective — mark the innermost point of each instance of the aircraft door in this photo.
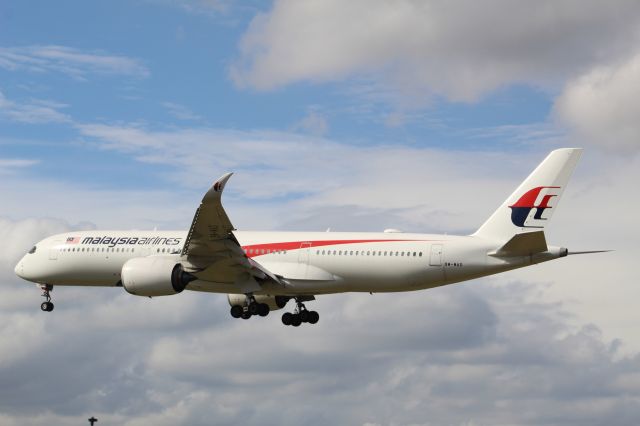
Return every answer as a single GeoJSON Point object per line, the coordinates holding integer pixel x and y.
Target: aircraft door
{"type": "Point", "coordinates": [53, 251]}
{"type": "Point", "coordinates": [435, 257]}
{"type": "Point", "coordinates": [303, 253]}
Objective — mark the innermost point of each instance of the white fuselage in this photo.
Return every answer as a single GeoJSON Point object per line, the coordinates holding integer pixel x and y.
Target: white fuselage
{"type": "Point", "coordinates": [310, 262]}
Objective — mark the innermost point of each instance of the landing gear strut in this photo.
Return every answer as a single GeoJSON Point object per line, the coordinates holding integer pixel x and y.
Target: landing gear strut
{"type": "Point", "coordinates": [250, 308]}
{"type": "Point", "coordinates": [48, 305]}
{"type": "Point", "coordinates": [300, 315]}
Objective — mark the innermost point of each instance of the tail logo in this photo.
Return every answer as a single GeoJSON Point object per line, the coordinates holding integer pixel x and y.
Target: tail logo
{"type": "Point", "coordinates": [522, 208]}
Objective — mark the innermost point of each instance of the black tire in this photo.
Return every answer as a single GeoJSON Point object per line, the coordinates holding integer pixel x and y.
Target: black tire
{"type": "Point", "coordinates": [44, 306]}
{"type": "Point", "coordinates": [314, 317]}
{"type": "Point", "coordinates": [254, 308]}
{"type": "Point", "coordinates": [263, 309]}
{"type": "Point", "coordinates": [245, 315]}
{"type": "Point", "coordinates": [286, 318]}
{"type": "Point", "coordinates": [304, 316]}
{"type": "Point", "coordinates": [295, 320]}
{"type": "Point", "coordinates": [236, 311]}
{"type": "Point", "coordinates": [49, 306]}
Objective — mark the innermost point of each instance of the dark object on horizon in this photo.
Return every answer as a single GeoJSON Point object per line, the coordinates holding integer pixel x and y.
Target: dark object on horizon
{"type": "Point", "coordinates": [92, 420]}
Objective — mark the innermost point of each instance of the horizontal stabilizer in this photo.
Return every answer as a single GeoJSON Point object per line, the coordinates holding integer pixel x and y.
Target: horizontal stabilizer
{"type": "Point", "coordinates": [523, 245]}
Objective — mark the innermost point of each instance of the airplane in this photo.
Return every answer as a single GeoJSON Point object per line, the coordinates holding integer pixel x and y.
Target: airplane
{"type": "Point", "coordinates": [263, 271]}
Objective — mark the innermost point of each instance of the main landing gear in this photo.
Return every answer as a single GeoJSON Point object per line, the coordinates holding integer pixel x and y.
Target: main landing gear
{"type": "Point", "coordinates": [250, 308]}
{"type": "Point", "coordinates": [300, 315]}
{"type": "Point", "coordinates": [48, 305]}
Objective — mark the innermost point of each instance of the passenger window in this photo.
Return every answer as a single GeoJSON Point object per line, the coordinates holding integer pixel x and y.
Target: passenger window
{"type": "Point", "coordinates": [420, 254]}
{"type": "Point", "coordinates": [414, 254]}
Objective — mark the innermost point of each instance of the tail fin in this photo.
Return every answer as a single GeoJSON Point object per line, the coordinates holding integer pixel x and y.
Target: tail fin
{"type": "Point", "coordinates": [530, 207]}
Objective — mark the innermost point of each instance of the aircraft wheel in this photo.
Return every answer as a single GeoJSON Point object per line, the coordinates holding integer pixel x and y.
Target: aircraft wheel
{"type": "Point", "coordinates": [263, 309]}
{"type": "Point", "coordinates": [304, 316]}
{"type": "Point", "coordinates": [313, 317]}
{"type": "Point", "coordinates": [295, 320]}
{"type": "Point", "coordinates": [246, 315]}
{"type": "Point", "coordinates": [45, 306]}
{"type": "Point", "coordinates": [236, 311]}
{"type": "Point", "coordinates": [286, 318]}
{"type": "Point", "coordinates": [254, 308]}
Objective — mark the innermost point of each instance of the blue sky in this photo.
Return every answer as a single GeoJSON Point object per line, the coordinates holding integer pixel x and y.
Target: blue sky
{"type": "Point", "coordinates": [362, 115]}
{"type": "Point", "coordinates": [167, 67]}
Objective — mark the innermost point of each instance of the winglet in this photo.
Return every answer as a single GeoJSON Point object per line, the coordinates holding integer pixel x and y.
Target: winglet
{"type": "Point", "coordinates": [218, 186]}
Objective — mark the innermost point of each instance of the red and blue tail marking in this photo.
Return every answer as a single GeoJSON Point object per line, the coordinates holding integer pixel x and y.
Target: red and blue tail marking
{"type": "Point", "coordinates": [520, 209]}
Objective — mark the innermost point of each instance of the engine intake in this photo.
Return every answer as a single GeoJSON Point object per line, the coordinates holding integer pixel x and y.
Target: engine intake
{"type": "Point", "coordinates": [154, 276]}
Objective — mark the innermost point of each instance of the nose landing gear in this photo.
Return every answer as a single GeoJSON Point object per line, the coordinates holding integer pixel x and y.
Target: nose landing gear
{"type": "Point", "coordinates": [48, 305]}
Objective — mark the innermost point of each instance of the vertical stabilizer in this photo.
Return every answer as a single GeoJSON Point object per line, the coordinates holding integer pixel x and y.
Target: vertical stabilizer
{"type": "Point", "coordinates": [531, 206]}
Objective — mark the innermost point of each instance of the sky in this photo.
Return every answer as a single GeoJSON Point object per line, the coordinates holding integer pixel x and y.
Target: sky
{"type": "Point", "coordinates": [361, 116]}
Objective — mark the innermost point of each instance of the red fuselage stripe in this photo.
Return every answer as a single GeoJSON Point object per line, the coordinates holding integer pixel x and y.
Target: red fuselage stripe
{"type": "Point", "coordinates": [257, 249]}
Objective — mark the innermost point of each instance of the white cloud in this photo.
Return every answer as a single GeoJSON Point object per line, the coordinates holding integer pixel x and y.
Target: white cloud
{"type": "Point", "coordinates": [10, 165]}
{"type": "Point", "coordinates": [602, 106]}
{"type": "Point", "coordinates": [460, 50]}
{"type": "Point", "coordinates": [181, 112]}
{"type": "Point", "coordinates": [492, 351]}
{"type": "Point", "coordinates": [73, 62]}
{"type": "Point", "coordinates": [36, 111]}
{"type": "Point", "coordinates": [314, 123]}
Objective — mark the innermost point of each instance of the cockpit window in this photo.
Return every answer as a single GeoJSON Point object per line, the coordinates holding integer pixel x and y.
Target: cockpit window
{"type": "Point", "coordinates": [33, 250]}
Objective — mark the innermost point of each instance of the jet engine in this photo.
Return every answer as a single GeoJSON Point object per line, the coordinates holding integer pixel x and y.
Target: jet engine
{"type": "Point", "coordinates": [154, 276]}
{"type": "Point", "coordinates": [274, 302]}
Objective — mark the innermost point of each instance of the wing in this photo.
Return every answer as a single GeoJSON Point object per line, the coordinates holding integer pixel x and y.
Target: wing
{"type": "Point", "coordinates": [213, 253]}
{"type": "Point", "coordinates": [211, 226]}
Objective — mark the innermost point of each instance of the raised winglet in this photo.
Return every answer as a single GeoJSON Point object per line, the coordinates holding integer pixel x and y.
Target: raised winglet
{"type": "Point", "coordinates": [218, 186]}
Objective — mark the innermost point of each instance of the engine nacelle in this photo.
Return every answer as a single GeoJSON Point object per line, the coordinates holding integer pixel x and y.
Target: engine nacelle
{"type": "Point", "coordinates": [274, 302]}
{"type": "Point", "coordinates": [154, 276]}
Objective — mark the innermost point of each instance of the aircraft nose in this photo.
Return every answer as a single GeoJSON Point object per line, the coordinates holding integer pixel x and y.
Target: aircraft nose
{"type": "Point", "coordinates": [19, 269]}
